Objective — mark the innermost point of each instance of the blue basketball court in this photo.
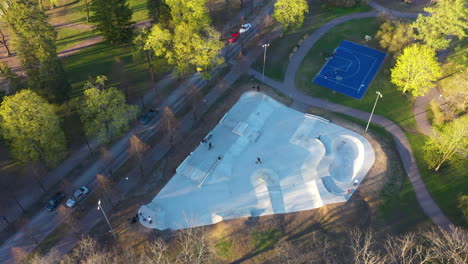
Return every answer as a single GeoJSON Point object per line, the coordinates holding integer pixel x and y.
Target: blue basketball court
{"type": "Point", "coordinates": [350, 69]}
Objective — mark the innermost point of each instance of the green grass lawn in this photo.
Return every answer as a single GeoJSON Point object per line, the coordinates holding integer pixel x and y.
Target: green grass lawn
{"type": "Point", "coordinates": [100, 59]}
{"type": "Point", "coordinates": [75, 13]}
{"type": "Point", "coordinates": [445, 185]}
{"type": "Point", "coordinates": [278, 52]}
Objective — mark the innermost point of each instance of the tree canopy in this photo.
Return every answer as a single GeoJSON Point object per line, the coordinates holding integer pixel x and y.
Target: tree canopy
{"type": "Point", "coordinates": [394, 36]}
{"type": "Point", "coordinates": [446, 18]}
{"type": "Point", "coordinates": [32, 129]}
{"type": "Point", "coordinates": [448, 144]}
{"type": "Point", "coordinates": [105, 114]}
{"type": "Point", "coordinates": [416, 70]}
{"type": "Point", "coordinates": [290, 13]}
{"type": "Point", "coordinates": [112, 18]}
{"type": "Point", "coordinates": [192, 12]}
{"type": "Point", "coordinates": [33, 38]}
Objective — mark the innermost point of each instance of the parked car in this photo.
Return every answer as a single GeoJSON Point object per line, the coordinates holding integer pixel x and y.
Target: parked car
{"type": "Point", "coordinates": [55, 201]}
{"type": "Point", "coordinates": [146, 117]}
{"type": "Point", "coordinates": [244, 28]}
{"type": "Point", "coordinates": [234, 37]}
{"type": "Point", "coordinates": [78, 196]}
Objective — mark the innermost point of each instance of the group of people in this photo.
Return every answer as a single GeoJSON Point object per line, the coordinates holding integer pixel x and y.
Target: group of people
{"type": "Point", "coordinates": [137, 217]}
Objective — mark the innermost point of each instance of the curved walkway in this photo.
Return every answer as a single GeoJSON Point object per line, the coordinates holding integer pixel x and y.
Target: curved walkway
{"type": "Point", "coordinates": [430, 208]}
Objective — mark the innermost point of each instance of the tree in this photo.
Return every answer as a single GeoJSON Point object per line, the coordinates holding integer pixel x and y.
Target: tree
{"type": "Point", "coordinates": [87, 2]}
{"type": "Point", "coordinates": [137, 149]}
{"type": "Point", "coordinates": [394, 36]}
{"type": "Point", "coordinates": [159, 11]}
{"type": "Point", "coordinates": [106, 156]}
{"type": "Point", "coordinates": [416, 69]}
{"type": "Point", "coordinates": [192, 12]}
{"type": "Point", "coordinates": [463, 205]}
{"type": "Point", "coordinates": [290, 13]}
{"type": "Point", "coordinates": [448, 144]}
{"type": "Point", "coordinates": [139, 43]}
{"type": "Point", "coordinates": [4, 43]}
{"type": "Point", "coordinates": [112, 18]}
{"type": "Point", "coordinates": [447, 246]}
{"type": "Point", "coordinates": [104, 114]}
{"type": "Point", "coordinates": [32, 129]}
{"type": "Point", "coordinates": [106, 188]}
{"type": "Point", "coordinates": [194, 97]}
{"type": "Point", "coordinates": [15, 82]}
{"type": "Point", "coordinates": [186, 48]}
{"type": "Point", "coordinates": [363, 247]}
{"type": "Point", "coordinates": [169, 122]}
{"type": "Point", "coordinates": [34, 40]}
{"type": "Point", "coordinates": [447, 18]}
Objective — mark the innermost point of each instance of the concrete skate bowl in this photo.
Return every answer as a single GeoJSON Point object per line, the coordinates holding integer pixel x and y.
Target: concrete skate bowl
{"type": "Point", "coordinates": [267, 181]}
{"type": "Point", "coordinates": [348, 158]}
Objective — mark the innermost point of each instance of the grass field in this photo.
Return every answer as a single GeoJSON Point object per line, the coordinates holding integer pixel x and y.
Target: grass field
{"type": "Point", "coordinates": [280, 48]}
{"type": "Point", "coordinates": [445, 185]}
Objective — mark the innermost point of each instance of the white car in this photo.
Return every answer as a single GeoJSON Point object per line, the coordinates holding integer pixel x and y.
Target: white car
{"type": "Point", "coordinates": [79, 195]}
{"type": "Point", "coordinates": [245, 28]}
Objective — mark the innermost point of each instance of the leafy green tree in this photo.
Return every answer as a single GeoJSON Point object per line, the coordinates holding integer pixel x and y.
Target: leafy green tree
{"type": "Point", "coordinates": [32, 129]}
{"type": "Point", "coordinates": [450, 144]}
{"type": "Point", "coordinates": [15, 82]}
{"type": "Point", "coordinates": [453, 84]}
{"type": "Point", "coordinates": [192, 12]}
{"type": "Point", "coordinates": [159, 11]}
{"type": "Point", "coordinates": [416, 70]}
{"type": "Point", "coordinates": [394, 36]}
{"type": "Point", "coordinates": [290, 13]}
{"type": "Point", "coordinates": [447, 18]}
{"type": "Point", "coordinates": [34, 40]}
{"type": "Point", "coordinates": [87, 2]}
{"type": "Point", "coordinates": [187, 48]}
{"type": "Point", "coordinates": [105, 114]}
{"type": "Point", "coordinates": [112, 18]}
{"type": "Point", "coordinates": [463, 205]}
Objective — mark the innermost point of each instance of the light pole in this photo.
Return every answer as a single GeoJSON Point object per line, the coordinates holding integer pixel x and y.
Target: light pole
{"type": "Point", "coordinates": [264, 45]}
{"type": "Point", "coordinates": [378, 95]}
{"type": "Point", "coordinates": [104, 214]}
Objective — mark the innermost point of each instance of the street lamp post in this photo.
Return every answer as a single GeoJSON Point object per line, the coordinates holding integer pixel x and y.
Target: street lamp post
{"type": "Point", "coordinates": [107, 220]}
{"type": "Point", "coordinates": [378, 95]}
{"type": "Point", "coordinates": [265, 45]}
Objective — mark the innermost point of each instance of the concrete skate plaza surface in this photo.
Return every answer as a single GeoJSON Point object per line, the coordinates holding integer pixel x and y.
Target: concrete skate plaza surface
{"type": "Point", "coordinates": [306, 162]}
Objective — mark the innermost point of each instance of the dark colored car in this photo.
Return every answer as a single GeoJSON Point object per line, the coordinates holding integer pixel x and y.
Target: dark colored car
{"type": "Point", "coordinates": [234, 37]}
{"type": "Point", "coordinates": [55, 201]}
{"type": "Point", "coordinates": [146, 117]}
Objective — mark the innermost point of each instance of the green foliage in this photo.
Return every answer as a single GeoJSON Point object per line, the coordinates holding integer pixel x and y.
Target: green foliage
{"type": "Point", "coordinates": [186, 48]}
{"type": "Point", "coordinates": [34, 40]}
{"type": "Point", "coordinates": [447, 18]}
{"type": "Point", "coordinates": [450, 144]}
{"type": "Point", "coordinates": [266, 239]}
{"type": "Point", "coordinates": [112, 18]}
{"type": "Point", "coordinates": [15, 82]}
{"type": "Point", "coordinates": [32, 129]}
{"type": "Point", "coordinates": [439, 117]}
{"type": "Point", "coordinates": [192, 12]}
{"type": "Point", "coordinates": [223, 248]}
{"type": "Point", "coordinates": [416, 70]}
{"type": "Point", "coordinates": [159, 11]}
{"type": "Point", "coordinates": [105, 114]}
{"type": "Point", "coordinates": [394, 36]}
{"type": "Point", "coordinates": [453, 85]}
{"type": "Point", "coordinates": [290, 13]}
{"type": "Point", "coordinates": [463, 205]}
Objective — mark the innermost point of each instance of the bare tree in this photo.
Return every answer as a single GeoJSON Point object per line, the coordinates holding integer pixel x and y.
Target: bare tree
{"type": "Point", "coordinates": [194, 245]}
{"type": "Point", "coordinates": [107, 157]}
{"type": "Point", "coordinates": [194, 98]}
{"type": "Point", "coordinates": [50, 258]}
{"type": "Point", "coordinates": [169, 123]}
{"type": "Point", "coordinates": [156, 251]}
{"type": "Point", "coordinates": [3, 42]}
{"type": "Point", "coordinates": [83, 251]}
{"type": "Point", "coordinates": [448, 247]}
{"type": "Point", "coordinates": [70, 219]}
{"type": "Point", "coordinates": [362, 245]}
{"type": "Point", "coordinates": [406, 250]}
{"type": "Point", "coordinates": [287, 253]}
{"type": "Point", "coordinates": [105, 187]}
{"type": "Point", "coordinates": [137, 150]}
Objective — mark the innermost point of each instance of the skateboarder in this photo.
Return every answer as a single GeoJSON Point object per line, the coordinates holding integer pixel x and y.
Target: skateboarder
{"type": "Point", "coordinates": [259, 161]}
